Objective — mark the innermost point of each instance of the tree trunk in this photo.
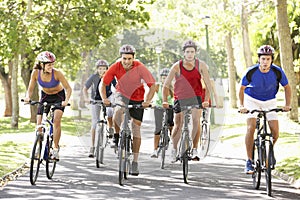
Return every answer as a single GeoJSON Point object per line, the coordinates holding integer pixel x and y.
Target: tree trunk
{"type": "Point", "coordinates": [231, 72]}
{"type": "Point", "coordinates": [6, 83]}
{"type": "Point", "coordinates": [286, 54]}
{"type": "Point", "coordinates": [245, 35]}
{"type": "Point", "coordinates": [14, 93]}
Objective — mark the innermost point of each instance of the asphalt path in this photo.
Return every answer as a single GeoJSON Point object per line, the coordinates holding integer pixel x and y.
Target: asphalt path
{"type": "Point", "coordinates": [218, 176]}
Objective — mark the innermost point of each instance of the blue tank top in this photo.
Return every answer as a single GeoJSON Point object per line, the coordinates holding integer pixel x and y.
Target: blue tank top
{"type": "Point", "coordinates": [53, 83]}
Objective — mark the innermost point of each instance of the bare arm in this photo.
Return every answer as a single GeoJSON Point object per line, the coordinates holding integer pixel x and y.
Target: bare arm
{"type": "Point", "coordinates": [31, 85]}
{"type": "Point", "coordinates": [66, 86]}
{"type": "Point", "coordinates": [85, 93]}
{"type": "Point", "coordinates": [149, 96]}
{"type": "Point", "coordinates": [167, 85]}
{"type": "Point", "coordinates": [288, 96]}
{"type": "Point", "coordinates": [241, 98]}
{"type": "Point", "coordinates": [206, 79]}
{"type": "Point", "coordinates": [102, 91]}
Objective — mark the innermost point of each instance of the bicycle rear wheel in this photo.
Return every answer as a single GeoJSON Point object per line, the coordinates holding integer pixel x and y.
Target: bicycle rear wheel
{"type": "Point", "coordinates": [204, 141]}
{"type": "Point", "coordinates": [268, 172]}
{"type": "Point", "coordinates": [100, 145]}
{"type": "Point", "coordinates": [50, 163]}
{"type": "Point", "coordinates": [256, 176]}
{"type": "Point", "coordinates": [35, 159]}
{"type": "Point", "coordinates": [122, 158]}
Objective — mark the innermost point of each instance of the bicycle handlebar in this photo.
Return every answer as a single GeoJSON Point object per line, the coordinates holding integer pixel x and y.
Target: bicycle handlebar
{"type": "Point", "coordinates": [265, 111]}
{"type": "Point", "coordinates": [44, 103]}
{"type": "Point", "coordinates": [140, 106]}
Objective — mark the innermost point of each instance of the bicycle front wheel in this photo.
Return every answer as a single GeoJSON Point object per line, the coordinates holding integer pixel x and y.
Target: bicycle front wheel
{"type": "Point", "coordinates": [122, 158]}
{"type": "Point", "coordinates": [185, 166]}
{"type": "Point", "coordinates": [268, 173]}
{"type": "Point", "coordinates": [35, 159]}
{"type": "Point", "coordinates": [164, 143]}
{"type": "Point", "coordinates": [204, 141]}
{"type": "Point", "coordinates": [100, 145]}
{"type": "Point", "coordinates": [50, 163]}
{"type": "Point", "coordinates": [256, 176]}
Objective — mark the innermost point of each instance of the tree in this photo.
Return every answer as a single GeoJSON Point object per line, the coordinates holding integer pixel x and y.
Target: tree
{"type": "Point", "coordinates": [286, 54]}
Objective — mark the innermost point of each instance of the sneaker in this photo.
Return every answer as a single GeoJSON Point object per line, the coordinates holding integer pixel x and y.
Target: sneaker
{"type": "Point", "coordinates": [154, 154]}
{"type": "Point", "coordinates": [115, 141]}
{"type": "Point", "coordinates": [110, 132]}
{"type": "Point", "coordinates": [195, 156]}
{"type": "Point", "coordinates": [249, 167]}
{"type": "Point", "coordinates": [55, 155]}
{"type": "Point", "coordinates": [134, 169]}
{"type": "Point", "coordinates": [174, 155]}
{"type": "Point", "coordinates": [92, 152]}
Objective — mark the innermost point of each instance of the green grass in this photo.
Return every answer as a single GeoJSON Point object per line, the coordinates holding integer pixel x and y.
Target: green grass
{"type": "Point", "coordinates": [24, 125]}
{"type": "Point", "coordinates": [290, 166]}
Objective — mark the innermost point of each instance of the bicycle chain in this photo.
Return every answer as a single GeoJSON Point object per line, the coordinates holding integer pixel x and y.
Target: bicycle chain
{"type": "Point", "coordinates": [13, 175]}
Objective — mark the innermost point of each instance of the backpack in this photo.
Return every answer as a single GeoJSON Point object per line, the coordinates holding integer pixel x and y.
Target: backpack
{"type": "Point", "coordinates": [251, 71]}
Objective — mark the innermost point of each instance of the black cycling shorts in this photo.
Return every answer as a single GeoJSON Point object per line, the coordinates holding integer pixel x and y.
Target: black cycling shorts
{"type": "Point", "coordinates": [51, 98]}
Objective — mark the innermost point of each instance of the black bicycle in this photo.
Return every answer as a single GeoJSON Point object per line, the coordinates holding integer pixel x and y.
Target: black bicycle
{"type": "Point", "coordinates": [39, 152]}
{"type": "Point", "coordinates": [185, 146]}
{"type": "Point", "coordinates": [102, 138]}
{"type": "Point", "coordinates": [262, 153]}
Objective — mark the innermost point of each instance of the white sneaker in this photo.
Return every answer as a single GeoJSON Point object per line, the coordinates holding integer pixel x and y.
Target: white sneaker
{"type": "Point", "coordinates": [195, 156]}
{"type": "Point", "coordinates": [174, 155]}
{"type": "Point", "coordinates": [154, 154]}
{"type": "Point", "coordinates": [55, 155]}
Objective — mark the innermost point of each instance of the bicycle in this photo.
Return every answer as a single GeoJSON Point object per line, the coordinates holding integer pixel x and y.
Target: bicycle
{"type": "Point", "coordinates": [36, 155]}
{"type": "Point", "coordinates": [125, 143]}
{"type": "Point", "coordinates": [185, 146]}
{"type": "Point", "coordinates": [164, 135]}
{"type": "Point", "coordinates": [262, 153]}
{"type": "Point", "coordinates": [102, 139]}
{"type": "Point", "coordinates": [205, 133]}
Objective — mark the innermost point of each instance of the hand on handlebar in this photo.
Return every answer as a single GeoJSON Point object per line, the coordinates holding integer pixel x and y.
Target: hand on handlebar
{"type": "Point", "coordinates": [286, 108]}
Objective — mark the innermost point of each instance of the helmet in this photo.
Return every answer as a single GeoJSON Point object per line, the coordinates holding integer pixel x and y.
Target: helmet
{"type": "Point", "coordinates": [101, 63]}
{"type": "Point", "coordinates": [164, 72]}
{"type": "Point", "coordinates": [46, 57]}
{"type": "Point", "coordinates": [127, 49]}
{"type": "Point", "coordinates": [265, 50]}
{"type": "Point", "coordinates": [189, 43]}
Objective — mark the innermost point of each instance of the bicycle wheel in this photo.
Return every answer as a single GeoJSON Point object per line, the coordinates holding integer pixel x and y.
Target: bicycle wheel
{"type": "Point", "coordinates": [122, 158]}
{"type": "Point", "coordinates": [50, 163]}
{"type": "Point", "coordinates": [204, 141]}
{"type": "Point", "coordinates": [268, 173]}
{"type": "Point", "coordinates": [164, 143]}
{"type": "Point", "coordinates": [100, 145]}
{"type": "Point", "coordinates": [256, 176]}
{"type": "Point", "coordinates": [35, 159]}
{"type": "Point", "coordinates": [185, 156]}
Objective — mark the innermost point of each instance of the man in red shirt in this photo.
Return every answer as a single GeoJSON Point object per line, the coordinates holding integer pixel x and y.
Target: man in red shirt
{"type": "Point", "coordinates": [131, 77]}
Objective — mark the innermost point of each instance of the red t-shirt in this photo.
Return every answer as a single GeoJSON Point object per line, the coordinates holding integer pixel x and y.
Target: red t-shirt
{"type": "Point", "coordinates": [188, 83]}
{"type": "Point", "coordinates": [130, 83]}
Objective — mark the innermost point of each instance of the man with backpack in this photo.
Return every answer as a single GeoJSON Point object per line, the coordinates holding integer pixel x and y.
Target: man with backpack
{"type": "Point", "coordinates": [258, 90]}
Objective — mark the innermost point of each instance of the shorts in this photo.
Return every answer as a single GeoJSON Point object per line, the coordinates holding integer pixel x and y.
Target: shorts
{"type": "Point", "coordinates": [187, 102]}
{"type": "Point", "coordinates": [51, 98]}
{"type": "Point", "coordinates": [158, 116]}
{"type": "Point", "coordinates": [135, 113]}
{"type": "Point", "coordinates": [251, 104]}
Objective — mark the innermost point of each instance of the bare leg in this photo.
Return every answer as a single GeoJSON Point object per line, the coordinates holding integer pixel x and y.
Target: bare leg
{"type": "Point", "coordinates": [136, 131]}
{"type": "Point", "coordinates": [57, 127]}
{"type": "Point", "coordinates": [249, 138]}
{"type": "Point", "coordinates": [274, 127]}
{"type": "Point", "coordinates": [176, 131]}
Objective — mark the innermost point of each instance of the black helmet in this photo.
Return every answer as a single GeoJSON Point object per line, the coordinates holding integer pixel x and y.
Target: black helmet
{"type": "Point", "coordinates": [189, 43]}
{"type": "Point", "coordinates": [164, 72]}
{"type": "Point", "coordinates": [127, 49]}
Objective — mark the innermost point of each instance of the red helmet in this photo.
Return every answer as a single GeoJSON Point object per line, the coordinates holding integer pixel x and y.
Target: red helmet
{"type": "Point", "coordinates": [189, 43]}
{"type": "Point", "coordinates": [101, 63]}
{"type": "Point", "coordinates": [46, 57]}
{"type": "Point", "coordinates": [127, 49]}
{"type": "Point", "coordinates": [265, 50]}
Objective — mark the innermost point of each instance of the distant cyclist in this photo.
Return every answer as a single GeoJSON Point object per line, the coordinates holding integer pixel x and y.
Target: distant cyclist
{"type": "Point", "coordinates": [187, 91]}
{"type": "Point", "coordinates": [93, 82]}
{"type": "Point", "coordinates": [158, 113]}
{"type": "Point", "coordinates": [55, 89]}
{"type": "Point", "coordinates": [258, 90]}
{"type": "Point", "coordinates": [131, 77]}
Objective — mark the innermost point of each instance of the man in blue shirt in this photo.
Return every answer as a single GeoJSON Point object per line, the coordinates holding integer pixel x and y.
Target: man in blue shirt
{"type": "Point", "coordinates": [258, 90]}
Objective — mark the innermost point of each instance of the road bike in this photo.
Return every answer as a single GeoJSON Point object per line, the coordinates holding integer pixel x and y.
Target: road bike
{"type": "Point", "coordinates": [185, 146]}
{"type": "Point", "coordinates": [42, 152]}
{"type": "Point", "coordinates": [262, 153]}
{"type": "Point", "coordinates": [102, 137]}
{"type": "Point", "coordinates": [125, 143]}
{"type": "Point", "coordinates": [164, 137]}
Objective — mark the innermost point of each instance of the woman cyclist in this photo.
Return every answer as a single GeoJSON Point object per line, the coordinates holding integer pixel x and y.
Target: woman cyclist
{"type": "Point", "coordinates": [54, 89]}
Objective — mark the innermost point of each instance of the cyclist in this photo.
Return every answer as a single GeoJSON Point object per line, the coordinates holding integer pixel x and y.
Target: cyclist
{"type": "Point", "coordinates": [94, 81]}
{"type": "Point", "coordinates": [54, 89]}
{"type": "Point", "coordinates": [158, 113]}
{"type": "Point", "coordinates": [258, 90]}
{"type": "Point", "coordinates": [187, 91]}
{"type": "Point", "coordinates": [131, 77]}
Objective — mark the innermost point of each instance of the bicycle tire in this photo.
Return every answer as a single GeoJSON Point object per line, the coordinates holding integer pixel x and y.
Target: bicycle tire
{"type": "Point", "coordinates": [204, 141]}
{"type": "Point", "coordinates": [50, 163]}
{"type": "Point", "coordinates": [35, 159]}
{"type": "Point", "coordinates": [122, 158]}
{"type": "Point", "coordinates": [100, 147]}
{"type": "Point", "coordinates": [256, 176]}
{"type": "Point", "coordinates": [164, 143]}
{"type": "Point", "coordinates": [268, 173]}
{"type": "Point", "coordinates": [185, 166]}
